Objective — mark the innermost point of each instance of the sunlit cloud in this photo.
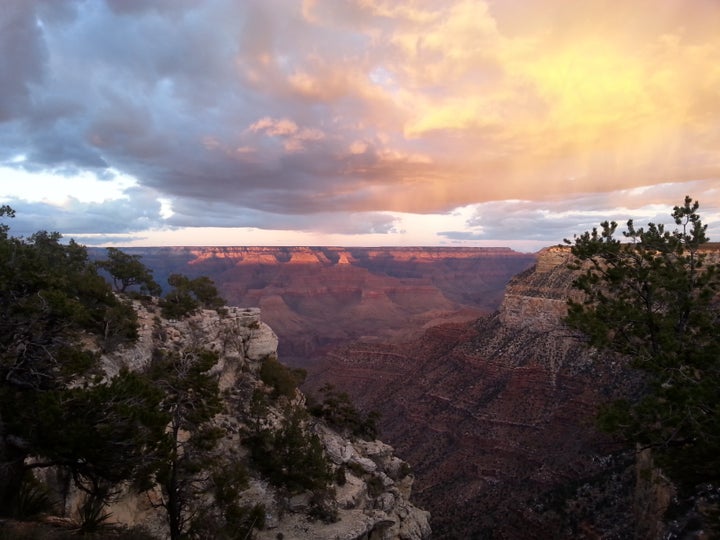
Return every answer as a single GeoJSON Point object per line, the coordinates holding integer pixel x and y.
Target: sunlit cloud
{"type": "Point", "coordinates": [529, 119]}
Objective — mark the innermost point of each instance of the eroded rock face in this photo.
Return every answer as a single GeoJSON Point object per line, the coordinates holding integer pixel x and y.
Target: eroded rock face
{"type": "Point", "coordinates": [317, 298]}
{"type": "Point", "coordinates": [496, 416]}
{"type": "Point", "coordinates": [537, 298]}
{"type": "Point", "coordinates": [373, 502]}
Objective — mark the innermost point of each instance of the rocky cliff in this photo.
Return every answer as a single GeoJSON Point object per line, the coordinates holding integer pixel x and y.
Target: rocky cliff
{"type": "Point", "coordinates": [317, 298]}
{"type": "Point", "coordinates": [496, 417]}
{"type": "Point", "coordinates": [371, 502]}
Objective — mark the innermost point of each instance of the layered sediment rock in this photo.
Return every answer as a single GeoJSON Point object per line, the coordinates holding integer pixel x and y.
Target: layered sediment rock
{"type": "Point", "coordinates": [317, 298]}
{"type": "Point", "coordinates": [496, 416]}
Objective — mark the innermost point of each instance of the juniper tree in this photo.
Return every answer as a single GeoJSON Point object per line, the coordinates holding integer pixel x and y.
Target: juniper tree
{"type": "Point", "coordinates": [200, 482]}
{"type": "Point", "coordinates": [54, 404]}
{"type": "Point", "coordinates": [188, 295]}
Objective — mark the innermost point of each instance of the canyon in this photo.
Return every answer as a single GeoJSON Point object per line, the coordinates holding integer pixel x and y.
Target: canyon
{"type": "Point", "coordinates": [480, 385]}
{"type": "Point", "coordinates": [462, 351]}
{"type": "Point", "coordinates": [496, 416]}
{"type": "Point", "coordinates": [319, 298]}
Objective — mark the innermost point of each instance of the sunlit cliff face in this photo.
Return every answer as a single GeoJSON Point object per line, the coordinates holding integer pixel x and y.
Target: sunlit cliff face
{"type": "Point", "coordinates": [357, 121]}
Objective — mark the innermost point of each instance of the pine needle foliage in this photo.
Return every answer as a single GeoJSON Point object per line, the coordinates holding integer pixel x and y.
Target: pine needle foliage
{"type": "Point", "coordinates": [652, 295]}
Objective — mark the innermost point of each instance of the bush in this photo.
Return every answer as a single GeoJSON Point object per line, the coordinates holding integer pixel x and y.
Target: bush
{"type": "Point", "coordinates": [283, 380]}
{"type": "Point", "coordinates": [189, 295]}
{"type": "Point", "coordinates": [339, 412]}
{"type": "Point", "coordinates": [375, 486]}
{"type": "Point", "coordinates": [92, 516]}
{"type": "Point", "coordinates": [323, 507]}
{"type": "Point", "coordinates": [234, 522]}
{"type": "Point", "coordinates": [290, 456]}
{"type": "Point", "coordinates": [32, 499]}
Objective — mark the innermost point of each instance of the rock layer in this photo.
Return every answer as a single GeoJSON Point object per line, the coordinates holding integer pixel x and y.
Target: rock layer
{"type": "Point", "coordinates": [317, 298]}
{"type": "Point", "coordinates": [496, 416]}
{"type": "Point", "coordinates": [373, 502]}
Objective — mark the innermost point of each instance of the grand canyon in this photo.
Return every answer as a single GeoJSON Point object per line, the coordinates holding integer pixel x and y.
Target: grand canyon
{"type": "Point", "coordinates": [318, 298]}
{"type": "Point", "coordinates": [463, 352]}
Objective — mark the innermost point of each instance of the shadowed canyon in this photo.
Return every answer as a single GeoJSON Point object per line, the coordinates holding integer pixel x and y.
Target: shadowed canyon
{"type": "Point", "coordinates": [480, 386]}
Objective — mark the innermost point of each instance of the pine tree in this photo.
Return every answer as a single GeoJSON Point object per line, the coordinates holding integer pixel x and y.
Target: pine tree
{"type": "Point", "coordinates": [653, 298]}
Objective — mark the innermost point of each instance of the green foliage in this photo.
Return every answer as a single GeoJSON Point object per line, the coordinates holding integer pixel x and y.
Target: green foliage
{"type": "Point", "coordinates": [405, 470]}
{"type": "Point", "coordinates": [127, 271]}
{"type": "Point", "coordinates": [340, 478]}
{"type": "Point", "coordinates": [356, 469]}
{"type": "Point", "coordinates": [51, 300]}
{"type": "Point", "coordinates": [237, 522]}
{"type": "Point", "coordinates": [49, 294]}
{"type": "Point", "coordinates": [57, 406]}
{"type": "Point", "coordinates": [323, 506]}
{"type": "Point", "coordinates": [120, 325]}
{"type": "Point", "coordinates": [189, 295]}
{"type": "Point", "coordinates": [92, 516]}
{"type": "Point", "coordinates": [191, 466]}
{"type": "Point", "coordinates": [375, 486]}
{"type": "Point", "coordinates": [283, 380]}
{"type": "Point", "coordinates": [258, 408]}
{"type": "Point", "coordinates": [291, 456]}
{"type": "Point", "coordinates": [339, 412]}
{"type": "Point", "coordinates": [33, 499]}
{"type": "Point", "coordinates": [102, 434]}
{"type": "Point", "coordinates": [653, 298]}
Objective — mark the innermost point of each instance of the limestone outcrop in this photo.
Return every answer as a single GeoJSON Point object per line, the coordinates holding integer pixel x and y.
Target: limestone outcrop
{"type": "Point", "coordinates": [372, 502]}
{"type": "Point", "coordinates": [537, 298]}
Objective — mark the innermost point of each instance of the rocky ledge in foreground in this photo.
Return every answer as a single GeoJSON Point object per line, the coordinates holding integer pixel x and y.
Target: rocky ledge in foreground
{"type": "Point", "coordinates": [368, 497]}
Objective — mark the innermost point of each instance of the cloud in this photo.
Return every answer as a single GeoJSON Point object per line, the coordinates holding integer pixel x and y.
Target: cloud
{"type": "Point", "coordinates": [279, 114]}
{"type": "Point", "coordinates": [553, 220]}
{"type": "Point", "coordinates": [22, 58]}
{"type": "Point", "coordinates": [138, 211]}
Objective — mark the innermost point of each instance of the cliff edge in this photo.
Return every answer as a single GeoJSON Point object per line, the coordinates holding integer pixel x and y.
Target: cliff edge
{"type": "Point", "coordinates": [369, 494]}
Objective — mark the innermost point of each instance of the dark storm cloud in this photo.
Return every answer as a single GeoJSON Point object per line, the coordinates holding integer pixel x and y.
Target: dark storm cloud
{"type": "Point", "coordinates": [191, 212]}
{"type": "Point", "coordinates": [208, 100]}
{"type": "Point", "coordinates": [22, 58]}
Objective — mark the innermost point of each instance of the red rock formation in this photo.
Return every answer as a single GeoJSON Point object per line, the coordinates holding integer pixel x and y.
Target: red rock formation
{"type": "Point", "coordinates": [317, 298]}
{"type": "Point", "coordinates": [496, 416]}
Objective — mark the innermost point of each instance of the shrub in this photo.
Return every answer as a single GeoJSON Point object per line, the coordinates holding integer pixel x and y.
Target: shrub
{"type": "Point", "coordinates": [189, 295]}
{"type": "Point", "coordinates": [290, 456]}
{"type": "Point", "coordinates": [339, 412]}
{"type": "Point", "coordinates": [32, 499]}
{"type": "Point", "coordinates": [375, 486]}
{"type": "Point", "coordinates": [323, 507]}
{"type": "Point", "coordinates": [281, 378]}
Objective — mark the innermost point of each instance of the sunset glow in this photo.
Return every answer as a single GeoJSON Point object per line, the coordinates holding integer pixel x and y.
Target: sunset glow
{"type": "Point", "coordinates": [356, 122]}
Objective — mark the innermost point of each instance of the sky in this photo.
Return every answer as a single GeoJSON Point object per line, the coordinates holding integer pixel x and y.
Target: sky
{"type": "Point", "coordinates": [356, 122]}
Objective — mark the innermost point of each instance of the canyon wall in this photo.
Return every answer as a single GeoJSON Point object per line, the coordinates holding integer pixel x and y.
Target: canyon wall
{"type": "Point", "coordinates": [368, 497]}
{"type": "Point", "coordinates": [496, 416]}
{"type": "Point", "coordinates": [318, 298]}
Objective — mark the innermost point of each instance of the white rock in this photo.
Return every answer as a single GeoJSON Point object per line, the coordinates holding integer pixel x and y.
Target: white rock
{"type": "Point", "coordinates": [352, 493]}
{"type": "Point", "coordinates": [262, 343]}
{"type": "Point", "coordinates": [367, 465]}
